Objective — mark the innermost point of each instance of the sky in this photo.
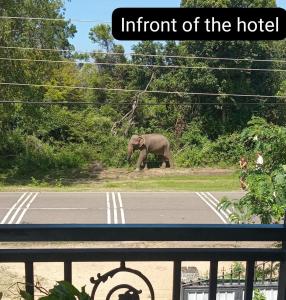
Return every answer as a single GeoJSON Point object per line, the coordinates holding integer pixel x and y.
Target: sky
{"type": "Point", "coordinates": [101, 11]}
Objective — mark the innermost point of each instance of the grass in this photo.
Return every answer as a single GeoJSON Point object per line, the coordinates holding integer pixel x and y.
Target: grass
{"type": "Point", "coordinates": [213, 182]}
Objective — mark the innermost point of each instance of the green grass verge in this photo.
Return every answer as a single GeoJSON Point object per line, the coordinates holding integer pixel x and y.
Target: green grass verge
{"type": "Point", "coordinates": [216, 182]}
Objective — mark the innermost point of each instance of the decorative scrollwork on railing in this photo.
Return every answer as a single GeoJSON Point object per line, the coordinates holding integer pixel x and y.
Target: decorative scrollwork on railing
{"type": "Point", "coordinates": [131, 293]}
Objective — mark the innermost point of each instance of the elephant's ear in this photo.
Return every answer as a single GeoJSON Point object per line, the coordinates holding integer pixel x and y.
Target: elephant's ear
{"type": "Point", "coordinates": [141, 141]}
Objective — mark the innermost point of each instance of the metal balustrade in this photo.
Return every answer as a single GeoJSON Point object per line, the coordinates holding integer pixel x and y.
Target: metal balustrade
{"type": "Point", "coordinates": [47, 233]}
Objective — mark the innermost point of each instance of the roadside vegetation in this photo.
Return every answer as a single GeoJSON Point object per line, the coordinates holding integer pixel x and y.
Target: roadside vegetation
{"type": "Point", "coordinates": [160, 182]}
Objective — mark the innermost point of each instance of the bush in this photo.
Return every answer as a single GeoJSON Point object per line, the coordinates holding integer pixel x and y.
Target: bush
{"type": "Point", "coordinates": [226, 151]}
{"type": "Point", "coordinates": [265, 199]}
{"type": "Point", "coordinates": [190, 157]}
{"type": "Point", "coordinates": [269, 139]}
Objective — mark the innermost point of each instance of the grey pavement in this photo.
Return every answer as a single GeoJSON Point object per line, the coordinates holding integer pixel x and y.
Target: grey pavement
{"type": "Point", "coordinates": [113, 207]}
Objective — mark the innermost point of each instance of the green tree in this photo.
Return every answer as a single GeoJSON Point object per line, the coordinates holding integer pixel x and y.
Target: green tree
{"type": "Point", "coordinates": [101, 35]}
{"type": "Point", "coordinates": [231, 113]}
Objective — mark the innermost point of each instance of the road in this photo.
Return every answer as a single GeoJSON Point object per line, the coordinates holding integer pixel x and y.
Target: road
{"type": "Point", "coordinates": [113, 207]}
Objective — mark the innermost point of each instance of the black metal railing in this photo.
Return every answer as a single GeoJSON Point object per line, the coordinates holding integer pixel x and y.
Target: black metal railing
{"type": "Point", "coordinates": [269, 233]}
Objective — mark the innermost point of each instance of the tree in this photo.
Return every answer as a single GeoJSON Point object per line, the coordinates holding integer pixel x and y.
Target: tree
{"type": "Point", "coordinates": [232, 113]}
{"type": "Point", "coordinates": [101, 35]}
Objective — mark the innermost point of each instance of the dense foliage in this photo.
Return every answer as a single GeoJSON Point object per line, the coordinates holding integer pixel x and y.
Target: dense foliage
{"type": "Point", "coordinates": [266, 196]}
{"type": "Point", "coordinates": [91, 125]}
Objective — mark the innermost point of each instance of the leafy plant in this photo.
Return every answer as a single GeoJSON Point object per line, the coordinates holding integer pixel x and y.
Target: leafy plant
{"type": "Point", "coordinates": [238, 269]}
{"type": "Point", "coordinates": [265, 199]}
{"type": "Point", "coordinates": [63, 290]}
{"type": "Point", "coordinates": [258, 295]}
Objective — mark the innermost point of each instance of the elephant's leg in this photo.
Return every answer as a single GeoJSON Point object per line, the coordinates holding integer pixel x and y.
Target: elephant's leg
{"type": "Point", "coordinates": [167, 159]}
{"type": "Point", "coordinates": [141, 158]}
{"type": "Point", "coordinates": [168, 165]}
{"type": "Point", "coordinates": [145, 164]}
{"type": "Point", "coordinates": [163, 166]}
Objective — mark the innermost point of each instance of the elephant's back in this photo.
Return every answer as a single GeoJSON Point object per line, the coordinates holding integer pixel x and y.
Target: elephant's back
{"type": "Point", "coordinates": [154, 138]}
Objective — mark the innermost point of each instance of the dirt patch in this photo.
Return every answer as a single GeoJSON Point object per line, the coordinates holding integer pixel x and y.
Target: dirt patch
{"type": "Point", "coordinates": [123, 174]}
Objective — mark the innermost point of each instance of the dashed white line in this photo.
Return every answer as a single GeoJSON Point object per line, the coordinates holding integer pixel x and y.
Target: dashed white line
{"type": "Point", "coordinates": [12, 208]}
{"type": "Point", "coordinates": [26, 208]}
{"type": "Point", "coordinates": [211, 207]}
{"type": "Point", "coordinates": [121, 208]}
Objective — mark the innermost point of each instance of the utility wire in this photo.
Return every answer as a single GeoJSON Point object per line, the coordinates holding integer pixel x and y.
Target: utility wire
{"type": "Point", "coordinates": [146, 55]}
{"type": "Point", "coordinates": [55, 102]}
{"type": "Point", "coordinates": [51, 19]}
{"type": "Point", "coordinates": [179, 93]}
{"type": "Point", "coordinates": [139, 65]}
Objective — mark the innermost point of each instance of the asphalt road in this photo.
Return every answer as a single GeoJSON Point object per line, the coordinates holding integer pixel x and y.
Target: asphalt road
{"type": "Point", "coordinates": [113, 207]}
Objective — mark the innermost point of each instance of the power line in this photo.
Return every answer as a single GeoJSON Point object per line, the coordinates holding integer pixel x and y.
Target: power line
{"type": "Point", "coordinates": [146, 55]}
{"type": "Point", "coordinates": [140, 65]}
{"type": "Point", "coordinates": [55, 102]}
{"type": "Point", "coordinates": [51, 19]}
{"type": "Point", "coordinates": [42, 49]}
{"type": "Point", "coordinates": [179, 93]}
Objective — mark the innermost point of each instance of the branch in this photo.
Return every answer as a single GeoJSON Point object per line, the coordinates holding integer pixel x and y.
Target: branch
{"type": "Point", "coordinates": [130, 114]}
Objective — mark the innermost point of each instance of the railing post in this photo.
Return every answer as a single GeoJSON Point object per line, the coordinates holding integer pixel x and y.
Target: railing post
{"type": "Point", "coordinates": [68, 271]}
{"type": "Point", "coordinates": [29, 277]}
{"type": "Point", "coordinates": [177, 280]}
{"type": "Point", "coordinates": [250, 265]}
{"type": "Point", "coordinates": [282, 271]}
{"type": "Point", "coordinates": [213, 280]}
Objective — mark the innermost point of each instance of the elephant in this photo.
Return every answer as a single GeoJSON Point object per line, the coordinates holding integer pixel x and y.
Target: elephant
{"type": "Point", "coordinates": [149, 143]}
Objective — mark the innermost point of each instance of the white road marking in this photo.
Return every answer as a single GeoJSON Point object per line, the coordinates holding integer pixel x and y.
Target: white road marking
{"type": "Point", "coordinates": [215, 205]}
{"type": "Point", "coordinates": [114, 208]}
{"type": "Point", "coordinates": [121, 208]}
{"type": "Point", "coordinates": [19, 207]}
{"type": "Point", "coordinates": [26, 208]}
{"type": "Point", "coordinates": [108, 208]}
{"type": "Point", "coordinates": [211, 195]}
{"type": "Point", "coordinates": [59, 208]}
{"type": "Point", "coordinates": [12, 208]}
{"type": "Point", "coordinates": [211, 207]}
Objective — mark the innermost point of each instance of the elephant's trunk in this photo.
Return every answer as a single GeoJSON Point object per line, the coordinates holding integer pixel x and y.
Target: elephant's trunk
{"type": "Point", "coordinates": [129, 151]}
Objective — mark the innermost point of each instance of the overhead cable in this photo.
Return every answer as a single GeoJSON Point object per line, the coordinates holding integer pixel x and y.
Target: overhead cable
{"type": "Point", "coordinates": [51, 19]}
{"type": "Point", "coordinates": [179, 93]}
{"type": "Point", "coordinates": [147, 55]}
{"type": "Point", "coordinates": [139, 65]}
{"type": "Point", "coordinates": [55, 102]}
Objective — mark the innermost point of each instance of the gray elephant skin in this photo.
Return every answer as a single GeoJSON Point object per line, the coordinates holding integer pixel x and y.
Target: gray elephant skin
{"type": "Point", "coordinates": [149, 143]}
